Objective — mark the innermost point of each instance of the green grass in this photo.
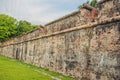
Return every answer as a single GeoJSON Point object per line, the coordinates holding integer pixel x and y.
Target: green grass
{"type": "Point", "coordinates": [11, 69]}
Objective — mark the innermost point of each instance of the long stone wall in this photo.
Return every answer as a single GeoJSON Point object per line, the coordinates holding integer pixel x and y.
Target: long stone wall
{"type": "Point", "coordinates": [73, 46]}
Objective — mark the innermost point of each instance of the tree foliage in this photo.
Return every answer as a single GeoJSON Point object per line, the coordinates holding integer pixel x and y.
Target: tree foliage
{"type": "Point", "coordinates": [7, 27]}
{"type": "Point", "coordinates": [10, 27]}
{"type": "Point", "coordinates": [24, 26]}
{"type": "Point", "coordinates": [94, 3]}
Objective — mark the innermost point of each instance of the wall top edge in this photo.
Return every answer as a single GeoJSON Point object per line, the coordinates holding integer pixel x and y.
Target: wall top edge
{"type": "Point", "coordinates": [61, 18]}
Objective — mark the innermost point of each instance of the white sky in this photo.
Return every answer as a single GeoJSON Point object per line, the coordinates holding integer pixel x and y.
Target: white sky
{"type": "Point", "coordinates": [38, 11]}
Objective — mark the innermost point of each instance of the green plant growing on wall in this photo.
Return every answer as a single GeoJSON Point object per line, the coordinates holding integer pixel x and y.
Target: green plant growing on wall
{"type": "Point", "coordinates": [93, 3]}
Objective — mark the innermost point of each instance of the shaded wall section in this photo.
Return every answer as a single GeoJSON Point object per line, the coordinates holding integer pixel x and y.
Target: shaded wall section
{"type": "Point", "coordinates": [73, 46]}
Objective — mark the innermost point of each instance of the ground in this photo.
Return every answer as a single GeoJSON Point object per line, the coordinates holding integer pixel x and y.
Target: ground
{"type": "Point", "coordinates": [11, 69]}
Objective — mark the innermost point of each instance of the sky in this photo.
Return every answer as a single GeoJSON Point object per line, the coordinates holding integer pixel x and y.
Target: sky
{"type": "Point", "coordinates": [39, 11]}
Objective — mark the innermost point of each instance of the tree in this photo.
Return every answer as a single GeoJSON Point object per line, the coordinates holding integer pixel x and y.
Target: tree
{"type": "Point", "coordinates": [10, 27]}
{"type": "Point", "coordinates": [7, 27]}
{"type": "Point", "coordinates": [24, 26]}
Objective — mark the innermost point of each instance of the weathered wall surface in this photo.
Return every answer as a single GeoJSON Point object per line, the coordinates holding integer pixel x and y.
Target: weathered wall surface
{"type": "Point", "coordinates": [109, 8]}
{"type": "Point", "coordinates": [68, 46]}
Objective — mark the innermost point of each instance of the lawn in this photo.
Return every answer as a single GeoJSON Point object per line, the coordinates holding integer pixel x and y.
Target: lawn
{"type": "Point", "coordinates": [11, 69]}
